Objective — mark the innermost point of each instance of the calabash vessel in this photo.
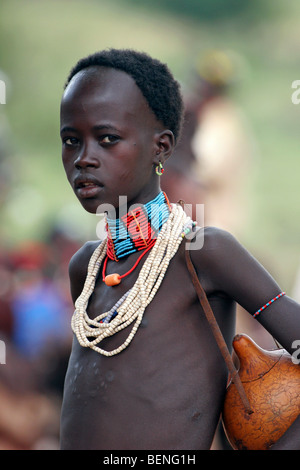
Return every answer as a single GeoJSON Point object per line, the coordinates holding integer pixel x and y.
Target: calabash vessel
{"type": "Point", "coordinates": [272, 384]}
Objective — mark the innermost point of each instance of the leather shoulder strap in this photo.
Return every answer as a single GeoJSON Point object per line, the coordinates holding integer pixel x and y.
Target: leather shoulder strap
{"type": "Point", "coordinates": [216, 331]}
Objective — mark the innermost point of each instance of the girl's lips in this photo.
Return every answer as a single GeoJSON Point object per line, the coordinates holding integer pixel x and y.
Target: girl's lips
{"type": "Point", "coordinates": [90, 190]}
{"type": "Point", "coordinates": [87, 187]}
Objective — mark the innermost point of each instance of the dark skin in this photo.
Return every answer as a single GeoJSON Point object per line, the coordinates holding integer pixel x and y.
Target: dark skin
{"type": "Point", "coordinates": [165, 391]}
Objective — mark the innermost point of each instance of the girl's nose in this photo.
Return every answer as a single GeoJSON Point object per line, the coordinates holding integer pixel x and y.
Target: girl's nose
{"type": "Point", "coordinates": [86, 158]}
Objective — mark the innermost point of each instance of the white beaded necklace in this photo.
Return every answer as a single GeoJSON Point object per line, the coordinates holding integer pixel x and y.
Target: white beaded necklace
{"type": "Point", "coordinates": [130, 308]}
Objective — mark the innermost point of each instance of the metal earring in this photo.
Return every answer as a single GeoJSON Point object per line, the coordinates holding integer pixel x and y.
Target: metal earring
{"type": "Point", "coordinates": [159, 169]}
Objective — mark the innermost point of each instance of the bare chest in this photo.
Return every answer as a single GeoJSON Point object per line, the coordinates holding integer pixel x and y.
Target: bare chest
{"type": "Point", "coordinates": [157, 392]}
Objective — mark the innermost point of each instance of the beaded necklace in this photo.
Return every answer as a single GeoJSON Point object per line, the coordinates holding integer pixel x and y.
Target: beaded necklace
{"type": "Point", "coordinates": [135, 231]}
{"type": "Point", "coordinates": [130, 308]}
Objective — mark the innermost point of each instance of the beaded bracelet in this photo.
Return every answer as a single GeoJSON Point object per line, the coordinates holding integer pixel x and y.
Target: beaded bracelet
{"type": "Point", "coordinates": [268, 303]}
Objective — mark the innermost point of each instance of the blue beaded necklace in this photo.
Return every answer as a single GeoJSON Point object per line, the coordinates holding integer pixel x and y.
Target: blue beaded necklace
{"type": "Point", "coordinates": [138, 229]}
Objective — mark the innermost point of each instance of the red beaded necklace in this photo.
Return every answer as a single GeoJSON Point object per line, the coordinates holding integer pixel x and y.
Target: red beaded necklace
{"type": "Point", "coordinates": [135, 231]}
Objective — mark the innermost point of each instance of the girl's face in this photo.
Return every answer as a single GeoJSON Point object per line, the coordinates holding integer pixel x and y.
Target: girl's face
{"type": "Point", "coordinates": [111, 139]}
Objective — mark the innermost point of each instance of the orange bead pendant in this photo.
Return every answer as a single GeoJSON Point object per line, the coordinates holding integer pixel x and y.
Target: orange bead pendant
{"type": "Point", "coordinates": [112, 279]}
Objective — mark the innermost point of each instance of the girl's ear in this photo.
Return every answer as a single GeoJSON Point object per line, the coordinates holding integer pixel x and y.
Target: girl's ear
{"type": "Point", "coordinates": [165, 143]}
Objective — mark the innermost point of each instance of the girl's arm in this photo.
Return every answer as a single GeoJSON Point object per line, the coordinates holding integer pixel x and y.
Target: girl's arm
{"type": "Point", "coordinates": [231, 270]}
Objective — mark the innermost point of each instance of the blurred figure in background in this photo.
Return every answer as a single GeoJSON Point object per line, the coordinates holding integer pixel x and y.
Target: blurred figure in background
{"type": "Point", "coordinates": [222, 142]}
{"type": "Point", "coordinates": [37, 304]}
{"type": "Point", "coordinates": [213, 160]}
{"type": "Point", "coordinates": [181, 180]}
{"type": "Point", "coordinates": [226, 155]}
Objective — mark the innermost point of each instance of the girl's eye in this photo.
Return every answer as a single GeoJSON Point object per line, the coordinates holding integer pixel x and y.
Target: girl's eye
{"type": "Point", "coordinates": [109, 139]}
{"type": "Point", "coordinates": [70, 141]}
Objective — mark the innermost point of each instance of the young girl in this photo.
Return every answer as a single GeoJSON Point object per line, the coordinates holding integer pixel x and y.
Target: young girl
{"type": "Point", "coordinates": [145, 371]}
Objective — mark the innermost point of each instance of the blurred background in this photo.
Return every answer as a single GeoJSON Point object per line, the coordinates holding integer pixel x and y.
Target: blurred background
{"type": "Point", "coordinates": [239, 155]}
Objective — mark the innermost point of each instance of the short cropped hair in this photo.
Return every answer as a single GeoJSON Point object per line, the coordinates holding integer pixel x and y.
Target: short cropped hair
{"type": "Point", "coordinates": [153, 78]}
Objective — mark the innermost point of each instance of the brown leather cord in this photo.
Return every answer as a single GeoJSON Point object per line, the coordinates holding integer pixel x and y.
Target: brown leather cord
{"type": "Point", "coordinates": [217, 332]}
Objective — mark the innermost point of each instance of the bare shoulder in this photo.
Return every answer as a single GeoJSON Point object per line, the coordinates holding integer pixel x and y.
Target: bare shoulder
{"type": "Point", "coordinates": [78, 267]}
{"type": "Point", "coordinates": [224, 265]}
{"type": "Point", "coordinates": [211, 245]}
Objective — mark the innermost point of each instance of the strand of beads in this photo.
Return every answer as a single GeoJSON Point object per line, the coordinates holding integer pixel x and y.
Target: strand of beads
{"type": "Point", "coordinates": [131, 308]}
{"type": "Point", "coordinates": [114, 310]}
